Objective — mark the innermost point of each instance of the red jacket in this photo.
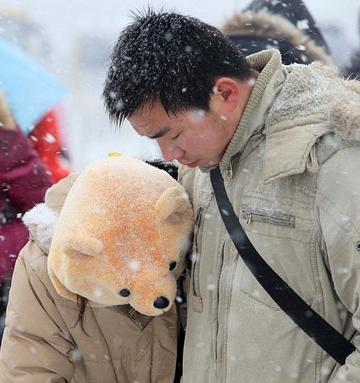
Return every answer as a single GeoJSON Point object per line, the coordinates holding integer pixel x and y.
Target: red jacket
{"type": "Point", "coordinates": [23, 181]}
{"type": "Point", "coordinates": [46, 139]}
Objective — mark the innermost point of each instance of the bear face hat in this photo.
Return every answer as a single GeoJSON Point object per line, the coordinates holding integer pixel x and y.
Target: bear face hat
{"type": "Point", "coordinates": [121, 236]}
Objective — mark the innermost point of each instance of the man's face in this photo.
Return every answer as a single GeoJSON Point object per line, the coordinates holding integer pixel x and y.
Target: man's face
{"type": "Point", "coordinates": [193, 138]}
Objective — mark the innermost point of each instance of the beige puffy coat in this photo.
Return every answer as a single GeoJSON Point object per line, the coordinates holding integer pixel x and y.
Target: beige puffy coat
{"type": "Point", "coordinates": [120, 345]}
{"type": "Point", "coordinates": [292, 174]}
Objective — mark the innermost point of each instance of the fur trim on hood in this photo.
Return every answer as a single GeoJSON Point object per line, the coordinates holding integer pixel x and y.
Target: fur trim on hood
{"type": "Point", "coordinates": [346, 113]}
{"type": "Point", "coordinates": [41, 222]}
{"type": "Point", "coordinates": [42, 219]}
{"type": "Point", "coordinates": [303, 95]}
{"type": "Point", "coordinates": [275, 27]}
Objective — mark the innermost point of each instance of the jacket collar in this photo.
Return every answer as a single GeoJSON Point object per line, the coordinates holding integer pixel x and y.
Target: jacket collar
{"type": "Point", "coordinates": [141, 321]}
{"type": "Point", "coordinates": [271, 76]}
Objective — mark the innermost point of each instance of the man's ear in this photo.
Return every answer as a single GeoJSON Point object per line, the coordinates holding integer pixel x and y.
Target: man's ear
{"type": "Point", "coordinates": [227, 93]}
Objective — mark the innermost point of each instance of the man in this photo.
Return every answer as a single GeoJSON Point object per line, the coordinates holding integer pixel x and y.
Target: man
{"type": "Point", "coordinates": [286, 141]}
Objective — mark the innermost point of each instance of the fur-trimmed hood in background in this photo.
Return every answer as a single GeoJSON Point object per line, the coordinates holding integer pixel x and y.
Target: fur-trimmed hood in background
{"type": "Point", "coordinates": [288, 27]}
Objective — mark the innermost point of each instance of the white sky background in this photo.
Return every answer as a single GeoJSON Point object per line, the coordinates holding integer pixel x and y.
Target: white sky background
{"type": "Point", "coordinates": [89, 131]}
{"type": "Point", "coordinates": [61, 17]}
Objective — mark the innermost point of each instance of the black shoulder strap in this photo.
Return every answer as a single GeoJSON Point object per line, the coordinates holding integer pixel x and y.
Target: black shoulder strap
{"type": "Point", "coordinates": [288, 300]}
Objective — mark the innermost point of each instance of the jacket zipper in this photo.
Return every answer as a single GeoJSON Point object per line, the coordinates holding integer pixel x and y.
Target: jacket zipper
{"type": "Point", "coordinates": [229, 172]}
{"type": "Point", "coordinates": [217, 329]}
{"type": "Point", "coordinates": [274, 218]}
{"type": "Point", "coordinates": [195, 273]}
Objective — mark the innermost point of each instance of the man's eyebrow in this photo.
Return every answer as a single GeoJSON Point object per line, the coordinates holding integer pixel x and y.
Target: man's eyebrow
{"type": "Point", "coordinates": [160, 133]}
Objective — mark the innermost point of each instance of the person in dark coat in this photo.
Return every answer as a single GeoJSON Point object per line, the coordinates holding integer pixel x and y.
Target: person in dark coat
{"type": "Point", "coordinates": [24, 181]}
{"type": "Point", "coordinates": [286, 25]}
{"type": "Point", "coordinates": [353, 69]}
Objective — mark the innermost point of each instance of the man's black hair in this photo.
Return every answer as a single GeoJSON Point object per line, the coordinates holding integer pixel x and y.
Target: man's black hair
{"type": "Point", "coordinates": [170, 58]}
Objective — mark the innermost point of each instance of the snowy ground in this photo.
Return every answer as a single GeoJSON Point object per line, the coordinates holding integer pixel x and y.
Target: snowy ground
{"type": "Point", "coordinates": [75, 30]}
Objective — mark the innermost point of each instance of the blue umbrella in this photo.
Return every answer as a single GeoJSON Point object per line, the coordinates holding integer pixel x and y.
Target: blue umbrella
{"type": "Point", "coordinates": [29, 89]}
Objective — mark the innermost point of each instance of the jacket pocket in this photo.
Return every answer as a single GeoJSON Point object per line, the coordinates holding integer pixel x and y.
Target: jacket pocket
{"type": "Point", "coordinates": [251, 214]}
{"type": "Point", "coordinates": [283, 241]}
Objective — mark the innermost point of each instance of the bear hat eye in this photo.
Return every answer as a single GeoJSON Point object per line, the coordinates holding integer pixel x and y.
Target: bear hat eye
{"type": "Point", "coordinates": [124, 293]}
{"type": "Point", "coordinates": [172, 265]}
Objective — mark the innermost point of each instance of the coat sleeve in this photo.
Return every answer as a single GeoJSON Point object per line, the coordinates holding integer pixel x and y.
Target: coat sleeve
{"type": "Point", "coordinates": [37, 345]}
{"type": "Point", "coordinates": [16, 235]}
{"type": "Point", "coordinates": [47, 141]}
{"type": "Point", "coordinates": [338, 203]}
{"type": "Point", "coordinates": [23, 183]}
{"type": "Point", "coordinates": [22, 173]}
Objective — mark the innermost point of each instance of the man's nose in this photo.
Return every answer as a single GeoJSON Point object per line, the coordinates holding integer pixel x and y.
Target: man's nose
{"type": "Point", "coordinates": [170, 152]}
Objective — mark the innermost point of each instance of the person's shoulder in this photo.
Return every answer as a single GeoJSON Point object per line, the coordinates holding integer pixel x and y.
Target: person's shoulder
{"type": "Point", "coordinates": [309, 90]}
{"type": "Point", "coordinates": [34, 268]}
{"type": "Point", "coordinates": [34, 258]}
{"type": "Point", "coordinates": [321, 108]}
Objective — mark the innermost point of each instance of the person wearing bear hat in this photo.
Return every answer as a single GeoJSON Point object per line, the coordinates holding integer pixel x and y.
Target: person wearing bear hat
{"type": "Point", "coordinates": [285, 140]}
{"type": "Point", "coordinates": [93, 291]}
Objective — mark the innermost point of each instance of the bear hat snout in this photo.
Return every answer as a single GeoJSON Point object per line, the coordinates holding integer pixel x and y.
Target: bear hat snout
{"type": "Point", "coordinates": [161, 302]}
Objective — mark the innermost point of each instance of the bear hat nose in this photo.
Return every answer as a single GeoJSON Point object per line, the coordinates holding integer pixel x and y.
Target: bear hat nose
{"type": "Point", "coordinates": [161, 302]}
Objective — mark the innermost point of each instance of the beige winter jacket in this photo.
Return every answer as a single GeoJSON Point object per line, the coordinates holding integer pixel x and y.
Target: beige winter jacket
{"type": "Point", "coordinates": [42, 342]}
{"type": "Point", "coordinates": [292, 174]}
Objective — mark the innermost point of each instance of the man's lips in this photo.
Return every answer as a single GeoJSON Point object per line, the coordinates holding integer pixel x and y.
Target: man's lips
{"type": "Point", "coordinates": [192, 164]}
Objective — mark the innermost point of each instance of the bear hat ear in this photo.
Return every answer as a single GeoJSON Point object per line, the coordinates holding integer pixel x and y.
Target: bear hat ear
{"type": "Point", "coordinates": [77, 245]}
{"type": "Point", "coordinates": [173, 206]}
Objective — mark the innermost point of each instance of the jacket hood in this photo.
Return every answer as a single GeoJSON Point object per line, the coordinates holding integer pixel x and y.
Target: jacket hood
{"type": "Point", "coordinates": [301, 95]}
{"type": "Point", "coordinates": [42, 219]}
{"type": "Point", "coordinates": [295, 12]}
{"type": "Point", "coordinates": [287, 26]}
{"type": "Point", "coordinates": [313, 102]}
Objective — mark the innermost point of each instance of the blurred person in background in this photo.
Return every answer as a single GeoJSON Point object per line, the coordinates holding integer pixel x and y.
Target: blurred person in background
{"type": "Point", "coordinates": [24, 181]}
{"type": "Point", "coordinates": [286, 25]}
{"type": "Point", "coordinates": [33, 95]}
{"type": "Point", "coordinates": [32, 154]}
{"type": "Point", "coordinates": [47, 140]}
{"type": "Point", "coordinates": [353, 69]}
